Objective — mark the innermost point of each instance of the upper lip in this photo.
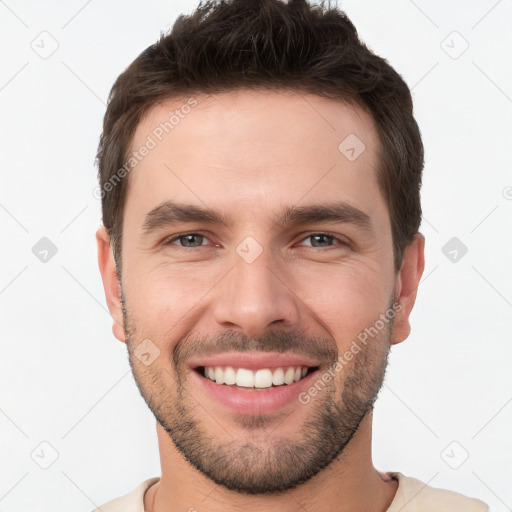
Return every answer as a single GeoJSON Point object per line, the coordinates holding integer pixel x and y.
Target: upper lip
{"type": "Point", "coordinates": [255, 360]}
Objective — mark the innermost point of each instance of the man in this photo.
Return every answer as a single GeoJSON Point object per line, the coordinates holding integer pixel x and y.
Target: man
{"type": "Point", "coordinates": [260, 172]}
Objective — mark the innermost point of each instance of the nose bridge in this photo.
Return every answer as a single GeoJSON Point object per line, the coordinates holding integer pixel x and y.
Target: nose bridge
{"type": "Point", "coordinates": [255, 294]}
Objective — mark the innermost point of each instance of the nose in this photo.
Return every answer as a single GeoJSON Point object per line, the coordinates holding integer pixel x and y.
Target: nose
{"type": "Point", "coordinates": [255, 295]}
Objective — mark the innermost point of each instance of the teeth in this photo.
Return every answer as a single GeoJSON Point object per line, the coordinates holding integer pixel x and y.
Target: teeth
{"type": "Point", "coordinates": [244, 378]}
{"type": "Point", "coordinates": [278, 377]}
{"type": "Point", "coordinates": [229, 376]}
{"type": "Point", "coordinates": [219, 375]}
{"type": "Point", "coordinates": [263, 378]}
{"type": "Point", "coordinates": [288, 376]}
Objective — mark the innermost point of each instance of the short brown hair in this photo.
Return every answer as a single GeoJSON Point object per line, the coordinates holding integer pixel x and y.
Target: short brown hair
{"type": "Point", "coordinates": [227, 45]}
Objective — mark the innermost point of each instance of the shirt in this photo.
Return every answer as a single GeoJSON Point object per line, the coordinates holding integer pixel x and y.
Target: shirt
{"type": "Point", "coordinates": [412, 495]}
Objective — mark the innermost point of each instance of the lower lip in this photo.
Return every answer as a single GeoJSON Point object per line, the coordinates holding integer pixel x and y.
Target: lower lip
{"type": "Point", "coordinates": [255, 401]}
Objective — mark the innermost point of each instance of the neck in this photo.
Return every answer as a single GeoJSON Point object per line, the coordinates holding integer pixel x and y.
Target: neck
{"type": "Point", "coordinates": [349, 483]}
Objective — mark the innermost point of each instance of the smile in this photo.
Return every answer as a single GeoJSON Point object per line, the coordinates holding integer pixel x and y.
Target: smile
{"type": "Point", "coordinates": [253, 382]}
{"type": "Point", "coordinates": [261, 379]}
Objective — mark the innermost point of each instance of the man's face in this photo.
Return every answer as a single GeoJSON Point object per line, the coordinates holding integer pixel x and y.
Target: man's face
{"type": "Point", "coordinates": [261, 291]}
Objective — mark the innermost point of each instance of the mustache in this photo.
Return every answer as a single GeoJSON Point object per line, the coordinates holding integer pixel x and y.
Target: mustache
{"type": "Point", "coordinates": [298, 343]}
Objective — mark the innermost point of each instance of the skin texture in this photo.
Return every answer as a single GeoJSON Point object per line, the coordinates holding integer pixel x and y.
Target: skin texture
{"type": "Point", "coordinates": [249, 154]}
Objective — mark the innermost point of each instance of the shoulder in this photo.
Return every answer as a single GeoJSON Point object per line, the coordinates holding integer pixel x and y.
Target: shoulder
{"type": "Point", "coordinates": [415, 496]}
{"type": "Point", "coordinates": [131, 502]}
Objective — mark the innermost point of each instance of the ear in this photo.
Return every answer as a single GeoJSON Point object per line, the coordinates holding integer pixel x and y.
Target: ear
{"type": "Point", "coordinates": [111, 283]}
{"type": "Point", "coordinates": [406, 286]}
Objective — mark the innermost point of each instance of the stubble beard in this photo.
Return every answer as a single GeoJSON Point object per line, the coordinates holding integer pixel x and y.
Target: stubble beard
{"type": "Point", "coordinates": [248, 462]}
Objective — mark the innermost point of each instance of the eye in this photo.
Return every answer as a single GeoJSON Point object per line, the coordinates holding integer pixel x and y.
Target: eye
{"type": "Point", "coordinates": [195, 240]}
{"type": "Point", "coordinates": [321, 239]}
{"type": "Point", "coordinates": [186, 240]}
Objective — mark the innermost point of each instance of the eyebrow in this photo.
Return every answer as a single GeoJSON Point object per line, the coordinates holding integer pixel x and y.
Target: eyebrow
{"type": "Point", "coordinates": [169, 213]}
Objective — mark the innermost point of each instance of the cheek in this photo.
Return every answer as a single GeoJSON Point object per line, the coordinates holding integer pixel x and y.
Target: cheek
{"type": "Point", "coordinates": [163, 300]}
{"type": "Point", "coordinates": [347, 299]}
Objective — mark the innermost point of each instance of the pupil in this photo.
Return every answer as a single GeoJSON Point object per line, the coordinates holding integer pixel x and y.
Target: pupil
{"type": "Point", "coordinates": [189, 238]}
{"type": "Point", "coordinates": [320, 236]}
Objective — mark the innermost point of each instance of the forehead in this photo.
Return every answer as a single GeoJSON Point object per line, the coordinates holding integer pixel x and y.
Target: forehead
{"type": "Point", "coordinates": [247, 147]}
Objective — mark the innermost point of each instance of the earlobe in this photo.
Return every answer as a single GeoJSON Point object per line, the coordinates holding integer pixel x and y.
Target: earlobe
{"type": "Point", "coordinates": [111, 284]}
{"type": "Point", "coordinates": [406, 286]}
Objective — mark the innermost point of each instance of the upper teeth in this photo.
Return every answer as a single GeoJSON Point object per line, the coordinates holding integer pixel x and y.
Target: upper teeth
{"type": "Point", "coordinates": [263, 378]}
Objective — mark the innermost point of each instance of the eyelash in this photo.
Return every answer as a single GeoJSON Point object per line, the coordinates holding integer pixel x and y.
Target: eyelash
{"type": "Point", "coordinates": [169, 241]}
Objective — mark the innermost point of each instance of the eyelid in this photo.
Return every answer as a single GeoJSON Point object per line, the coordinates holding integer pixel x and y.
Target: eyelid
{"type": "Point", "coordinates": [343, 240]}
{"type": "Point", "coordinates": [172, 238]}
{"type": "Point", "coordinates": [339, 238]}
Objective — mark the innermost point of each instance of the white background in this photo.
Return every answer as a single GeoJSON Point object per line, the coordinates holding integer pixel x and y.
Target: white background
{"type": "Point", "coordinates": [65, 379]}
